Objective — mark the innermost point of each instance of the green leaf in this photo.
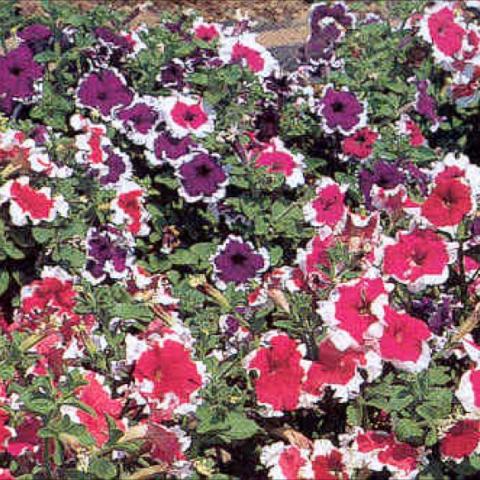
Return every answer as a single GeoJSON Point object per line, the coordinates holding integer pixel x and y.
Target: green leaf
{"type": "Point", "coordinates": [354, 415]}
{"type": "Point", "coordinates": [475, 461]}
{"type": "Point", "coordinates": [42, 235]}
{"type": "Point", "coordinates": [102, 469]}
{"type": "Point", "coordinates": [407, 429]}
{"type": "Point", "coordinates": [131, 311]}
{"type": "Point", "coordinates": [4, 282]}
{"type": "Point", "coordinates": [239, 427]}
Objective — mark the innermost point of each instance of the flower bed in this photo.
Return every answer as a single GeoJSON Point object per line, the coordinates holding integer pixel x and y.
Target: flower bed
{"type": "Point", "coordinates": [213, 268]}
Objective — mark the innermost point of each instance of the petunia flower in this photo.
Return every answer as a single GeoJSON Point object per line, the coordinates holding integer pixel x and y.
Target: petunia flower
{"type": "Point", "coordinates": [360, 144]}
{"type": "Point", "coordinates": [275, 158]}
{"type": "Point", "coordinates": [418, 258]}
{"type": "Point", "coordinates": [468, 391]}
{"type": "Point", "coordinates": [187, 115]}
{"type": "Point", "coordinates": [27, 202]}
{"type": "Point", "coordinates": [18, 74]}
{"type": "Point", "coordinates": [377, 450]}
{"type": "Point", "coordinates": [449, 202]}
{"type": "Point", "coordinates": [167, 376]}
{"type": "Point", "coordinates": [206, 31]}
{"type": "Point", "coordinates": [327, 210]}
{"type": "Point", "coordinates": [97, 396]}
{"type": "Point", "coordinates": [238, 262]}
{"type": "Point", "coordinates": [340, 371]}
{"type": "Point", "coordinates": [103, 90]}
{"type": "Point", "coordinates": [354, 311]}
{"type": "Point", "coordinates": [109, 253]}
{"type": "Point", "coordinates": [440, 27]}
{"type": "Point", "coordinates": [327, 462]}
{"type": "Point", "coordinates": [201, 177]}
{"type": "Point", "coordinates": [286, 462]}
{"type": "Point", "coordinates": [342, 111]}
{"type": "Point", "coordinates": [129, 210]}
{"type": "Point", "coordinates": [166, 148]}
{"type": "Point", "coordinates": [404, 341]}
{"type": "Point", "coordinates": [246, 51]}
{"type": "Point", "coordinates": [461, 441]}
{"type": "Point", "coordinates": [281, 370]}
{"type": "Point", "coordinates": [138, 120]}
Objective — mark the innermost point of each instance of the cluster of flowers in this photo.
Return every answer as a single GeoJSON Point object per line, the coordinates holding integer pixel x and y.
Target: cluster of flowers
{"type": "Point", "coordinates": [205, 237]}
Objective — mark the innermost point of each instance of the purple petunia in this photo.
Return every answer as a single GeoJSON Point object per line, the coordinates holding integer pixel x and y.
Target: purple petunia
{"type": "Point", "coordinates": [201, 178]}
{"type": "Point", "coordinates": [165, 147]}
{"type": "Point", "coordinates": [37, 37]}
{"type": "Point", "coordinates": [109, 253]}
{"type": "Point", "coordinates": [138, 120]}
{"type": "Point", "coordinates": [103, 90]}
{"type": "Point", "coordinates": [237, 261]}
{"type": "Point", "coordinates": [383, 174]}
{"type": "Point", "coordinates": [116, 168]}
{"type": "Point", "coordinates": [342, 111]}
{"type": "Point", "coordinates": [18, 72]}
{"type": "Point", "coordinates": [327, 25]}
{"type": "Point", "coordinates": [425, 104]}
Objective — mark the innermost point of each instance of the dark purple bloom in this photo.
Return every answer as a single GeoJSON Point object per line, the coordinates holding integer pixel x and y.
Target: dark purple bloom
{"type": "Point", "coordinates": [336, 12]}
{"type": "Point", "coordinates": [138, 120]}
{"type": "Point", "coordinates": [109, 252]}
{"type": "Point", "coordinates": [36, 37]}
{"type": "Point", "coordinates": [238, 262]}
{"type": "Point", "coordinates": [18, 72]}
{"type": "Point", "coordinates": [172, 75]}
{"type": "Point", "coordinates": [202, 177]}
{"type": "Point", "coordinates": [104, 90]}
{"type": "Point", "coordinates": [170, 148]}
{"type": "Point", "coordinates": [117, 163]}
{"type": "Point", "coordinates": [267, 124]}
{"type": "Point", "coordinates": [383, 174]}
{"type": "Point", "coordinates": [426, 105]}
{"type": "Point", "coordinates": [437, 315]}
{"type": "Point", "coordinates": [40, 135]}
{"type": "Point", "coordinates": [113, 40]}
{"type": "Point", "coordinates": [475, 228]}
{"type": "Point", "coordinates": [341, 110]}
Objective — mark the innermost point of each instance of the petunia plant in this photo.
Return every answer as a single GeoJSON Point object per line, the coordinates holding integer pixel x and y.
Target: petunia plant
{"type": "Point", "coordinates": [217, 267]}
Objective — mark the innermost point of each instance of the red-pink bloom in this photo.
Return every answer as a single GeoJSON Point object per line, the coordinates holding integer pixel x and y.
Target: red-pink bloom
{"type": "Point", "coordinates": [468, 391]}
{"type": "Point", "coordinates": [327, 462]}
{"type": "Point", "coordinates": [418, 258]}
{"type": "Point", "coordinates": [98, 397]}
{"type": "Point", "coordinates": [167, 445]}
{"type": "Point", "coordinates": [167, 375]}
{"type": "Point", "coordinates": [339, 370]}
{"type": "Point", "coordinates": [28, 202]}
{"type": "Point", "coordinates": [275, 158]}
{"type": "Point", "coordinates": [278, 363]}
{"type": "Point", "coordinates": [377, 450]}
{"type": "Point", "coordinates": [26, 438]}
{"type": "Point", "coordinates": [441, 29]}
{"type": "Point", "coordinates": [360, 144]}
{"type": "Point", "coordinates": [128, 208]}
{"type": "Point", "coordinates": [448, 203]}
{"type": "Point", "coordinates": [314, 260]}
{"type": "Point", "coordinates": [185, 115]}
{"type": "Point", "coordinates": [403, 341]}
{"type": "Point", "coordinates": [354, 311]}
{"type": "Point", "coordinates": [328, 208]}
{"type": "Point", "coordinates": [245, 50]}
{"type": "Point", "coordinates": [207, 32]}
{"type": "Point", "coordinates": [461, 440]}
{"type": "Point", "coordinates": [5, 474]}
{"type": "Point", "coordinates": [408, 127]}
{"type": "Point", "coordinates": [286, 462]}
